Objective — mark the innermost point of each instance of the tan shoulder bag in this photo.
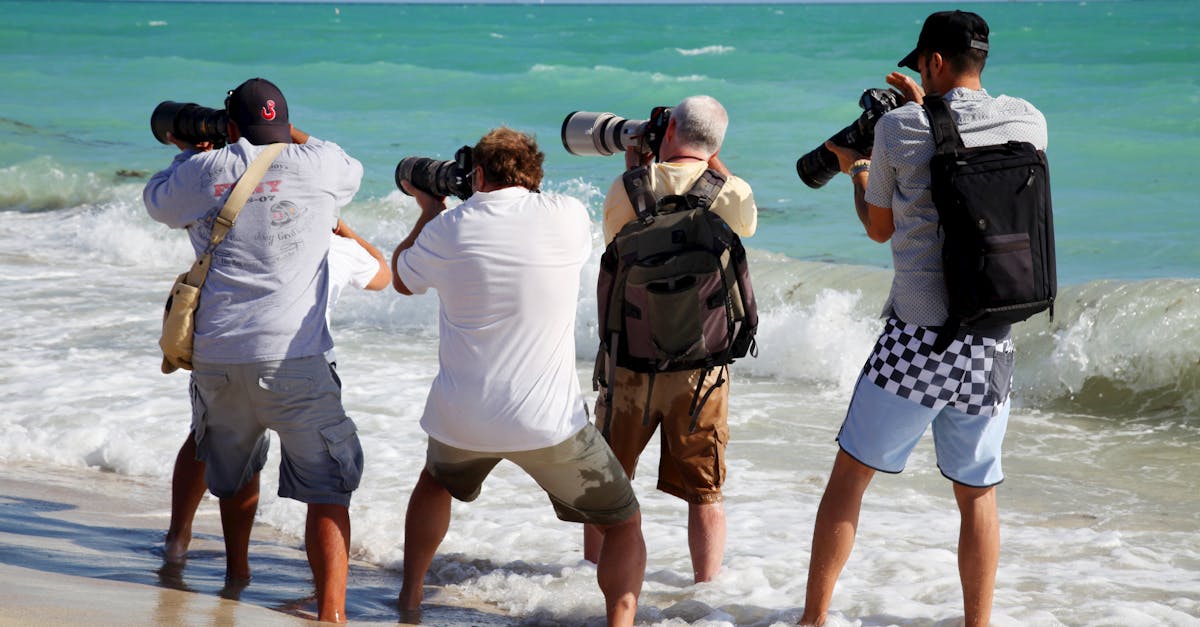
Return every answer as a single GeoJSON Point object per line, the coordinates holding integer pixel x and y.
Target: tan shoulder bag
{"type": "Point", "coordinates": [179, 319]}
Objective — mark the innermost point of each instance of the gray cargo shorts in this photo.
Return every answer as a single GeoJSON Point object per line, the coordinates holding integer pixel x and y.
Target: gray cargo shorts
{"type": "Point", "coordinates": [234, 404]}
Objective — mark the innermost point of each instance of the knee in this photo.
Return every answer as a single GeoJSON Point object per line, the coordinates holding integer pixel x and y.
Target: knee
{"type": "Point", "coordinates": [631, 524]}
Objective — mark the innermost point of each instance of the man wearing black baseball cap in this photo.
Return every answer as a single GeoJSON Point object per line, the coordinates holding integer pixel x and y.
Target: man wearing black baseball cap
{"type": "Point", "coordinates": [950, 33]}
{"type": "Point", "coordinates": [259, 112]}
{"type": "Point", "coordinates": [260, 334]}
{"type": "Point", "coordinates": [908, 385]}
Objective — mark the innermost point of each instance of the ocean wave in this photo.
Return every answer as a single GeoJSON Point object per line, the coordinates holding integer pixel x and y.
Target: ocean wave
{"type": "Point", "coordinates": [714, 49]}
{"type": "Point", "coordinates": [637, 75]}
{"type": "Point", "coordinates": [1119, 348]}
{"type": "Point", "coordinates": [1114, 347]}
{"type": "Point", "coordinates": [43, 184]}
{"type": "Point", "coordinates": [659, 77]}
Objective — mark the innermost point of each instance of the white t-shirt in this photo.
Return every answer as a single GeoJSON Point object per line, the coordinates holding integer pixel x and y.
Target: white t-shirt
{"type": "Point", "coordinates": [349, 265]}
{"type": "Point", "coordinates": [506, 266]}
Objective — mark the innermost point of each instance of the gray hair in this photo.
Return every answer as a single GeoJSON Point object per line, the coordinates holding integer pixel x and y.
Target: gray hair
{"type": "Point", "coordinates": [700, 122]}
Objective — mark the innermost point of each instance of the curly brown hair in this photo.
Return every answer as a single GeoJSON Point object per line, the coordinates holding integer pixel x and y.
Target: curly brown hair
{"type": "Point", "coordinates": [509, 158]}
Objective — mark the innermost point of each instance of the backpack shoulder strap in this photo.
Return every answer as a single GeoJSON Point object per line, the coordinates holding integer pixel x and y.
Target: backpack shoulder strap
{"type": "Point", "coordinates": [637, 187]}
{"type": "Point", "coordinates": [704, 191]}
{"type": "Point", "coordinates": [941, 123]}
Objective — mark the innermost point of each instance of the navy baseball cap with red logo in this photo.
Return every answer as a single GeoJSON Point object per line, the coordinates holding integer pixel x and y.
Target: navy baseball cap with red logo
{"type": "Point", "coordinates": [948, 32]}
{"type": "Point", "coordinates": [260, 112]}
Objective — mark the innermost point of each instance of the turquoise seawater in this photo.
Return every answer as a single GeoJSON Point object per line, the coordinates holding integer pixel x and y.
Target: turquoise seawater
{"type": "Point", "coordinates": [1102, 458]}
{"type": "Point", "coordinates": [1116, 80]}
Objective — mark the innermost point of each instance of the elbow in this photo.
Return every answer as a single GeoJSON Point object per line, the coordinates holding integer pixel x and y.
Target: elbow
{"type": "Point", "coordinates": [399, 286]}
{"type": "Point", "coordinates": [382, 279]}
{"type": "Point", "coordinates": [880, 234]}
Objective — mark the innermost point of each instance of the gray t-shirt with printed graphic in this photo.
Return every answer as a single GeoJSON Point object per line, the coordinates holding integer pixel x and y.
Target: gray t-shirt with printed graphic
{"type": "Point", "coordinates": [900, 180]}
{"type": "Point", "coordinates": [267, 289]}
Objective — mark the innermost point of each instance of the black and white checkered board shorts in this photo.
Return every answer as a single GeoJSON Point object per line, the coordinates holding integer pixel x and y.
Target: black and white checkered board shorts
{"type": "Point", "coordinates": [962, 376]}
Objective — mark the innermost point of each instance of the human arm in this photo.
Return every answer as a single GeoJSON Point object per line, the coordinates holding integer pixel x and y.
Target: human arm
{"type": "Point", "coordinates": [384, 275]}
{"type": "Point", "coordinates": [876, 220]}
{"type": "Point", "coordinates": [176, 195]}
{"type": "Point", "coordinates": [715, 163]}
{"type": "Point", "coordinates": [185, 145]}
{"type": "Point", "coordinates": [635, 158]}
{"type": "Point", "coordinates": [908, 89]}
{"type": "Point", "coordinates": [431, 206]}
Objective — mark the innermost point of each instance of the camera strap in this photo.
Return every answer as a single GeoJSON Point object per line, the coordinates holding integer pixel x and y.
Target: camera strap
{"type": "Point", "coordinates": [233, 206]}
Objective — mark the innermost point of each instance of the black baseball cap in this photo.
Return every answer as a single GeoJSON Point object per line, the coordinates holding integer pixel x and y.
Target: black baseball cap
{"type": "Point", "coordinates": [260, 112]}
{"type": "Point", "coordinates": [949, 32]}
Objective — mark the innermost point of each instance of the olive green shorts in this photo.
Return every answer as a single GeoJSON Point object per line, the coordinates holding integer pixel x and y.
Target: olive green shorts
{"type": "Point", "coordinates": [581, 476]}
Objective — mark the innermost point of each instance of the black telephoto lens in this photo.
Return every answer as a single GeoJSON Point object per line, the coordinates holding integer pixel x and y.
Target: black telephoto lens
{"type": "Point", "coordinates": [818, 167]}
{"type": "Point", "coordinates": [439, 178]}
{"type": "Point", "coordinates": [189, 122]}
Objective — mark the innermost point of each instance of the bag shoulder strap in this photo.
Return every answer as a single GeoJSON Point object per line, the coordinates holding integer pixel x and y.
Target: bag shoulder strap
{"type": "Point", "coordinates": [705, 190]}
{"type": "Point", "coordinates": [941, 123]}
{"type": "Point", "coordinates": [241, 192]}
{"type": "Point", "coordinates": [637, 187]}
{"type": "Point", "coordinates": [948, 141]}
{"type": "Point", "coordinates": [233, 206]}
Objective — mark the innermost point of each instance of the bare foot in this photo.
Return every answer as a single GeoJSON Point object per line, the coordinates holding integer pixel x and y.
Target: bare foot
{"type": "Point", "coordinates": [410, 600]}
{"type": "Point", "coordinates": [175, 549]}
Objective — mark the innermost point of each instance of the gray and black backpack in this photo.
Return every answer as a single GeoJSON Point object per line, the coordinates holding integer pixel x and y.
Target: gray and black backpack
{"type": "Point", "coordinates": [674, 291]}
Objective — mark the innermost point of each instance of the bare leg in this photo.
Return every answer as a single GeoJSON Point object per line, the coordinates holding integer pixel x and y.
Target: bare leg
{"type": "Point", "coordinates": [425, 525]}
{"type": "Point", "coordinates": [327, 541]}
{"type": "Point", "coordinates": [833, 533]}
{"type": "Point", "coordinates": [593, 540]}
{"type": "Point", "coordinates": [706, 539]}
{"type": "Point", "coordinates": [978, 551]}
{"type": "Point", "coordinates": [187, 490]}
{"type": "Point", "coordinates": [237, 518]}
{"type": "Point", "coordinates": [621, 569]}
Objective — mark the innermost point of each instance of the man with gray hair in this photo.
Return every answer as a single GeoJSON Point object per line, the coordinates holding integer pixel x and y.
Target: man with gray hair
{"type": "Point", "coordinates": [692, 466]}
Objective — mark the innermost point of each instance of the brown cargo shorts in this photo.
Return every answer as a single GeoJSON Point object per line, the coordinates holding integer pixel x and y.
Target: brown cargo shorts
{"type": "Point", "coordinates": [692, 464]}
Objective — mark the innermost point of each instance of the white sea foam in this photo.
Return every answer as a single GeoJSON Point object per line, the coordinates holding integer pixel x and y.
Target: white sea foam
{"type": "Point", "coordinates": [659, 77]}
{"type": "Point", "coordinates": [714, 49]}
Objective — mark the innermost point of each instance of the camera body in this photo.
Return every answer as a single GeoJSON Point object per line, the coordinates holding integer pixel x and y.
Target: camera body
{"type": "Point", "coordinates": [588, 133]}
{"type": "Point", "coordinates": [189, 122]}
{"type": "Point", "coordinates": [820, 165]}
{"type": "Point", "coordinates": [439, 178]}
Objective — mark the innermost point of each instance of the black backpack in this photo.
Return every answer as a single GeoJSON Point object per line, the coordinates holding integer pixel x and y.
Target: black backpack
{"type": "Point", "coordinates": [674, 290]}
{"type": "Point", "coordinates": [994, 211]}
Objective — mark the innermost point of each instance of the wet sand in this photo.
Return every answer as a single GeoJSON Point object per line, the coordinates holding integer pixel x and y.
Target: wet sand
{"type": "Point", "coordinates": [82, 547]}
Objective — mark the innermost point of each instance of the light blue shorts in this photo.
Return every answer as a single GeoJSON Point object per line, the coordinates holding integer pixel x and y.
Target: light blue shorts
{"type": "Point", "coordinates": [881, 430]}
{"type": "Point", "coordinates": [234, 404]}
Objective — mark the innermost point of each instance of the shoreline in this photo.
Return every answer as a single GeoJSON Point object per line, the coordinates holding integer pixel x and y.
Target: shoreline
{"type": "Point", "coordinates": [81, 547]}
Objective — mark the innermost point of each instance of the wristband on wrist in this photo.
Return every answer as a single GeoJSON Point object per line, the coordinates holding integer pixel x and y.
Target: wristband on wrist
{"type": "Point", "coordinates": [860, 166]}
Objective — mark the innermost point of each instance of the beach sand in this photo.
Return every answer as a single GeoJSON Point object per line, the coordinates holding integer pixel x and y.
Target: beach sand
{"type": "Point", "coordinates": [83, 547]}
